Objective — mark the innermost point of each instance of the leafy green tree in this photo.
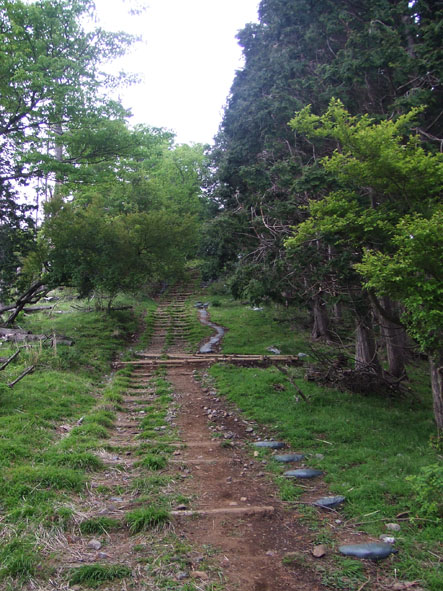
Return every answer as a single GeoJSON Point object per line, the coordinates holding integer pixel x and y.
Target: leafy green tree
{"type": "Point", "coordinates": [387, 211]}
{"type": "Point", "coordinates": [101, 253]}
{"type": "Point", "coordinates": [51, 81]}
{"type": "Point", "coordinates": [412, 274]}
{"type": "Point", "coordinates": [378, 57]}
{"type": "Point", "coordinates": [16, 237]}
{"type": "Point", "coordinates": [55, 116]}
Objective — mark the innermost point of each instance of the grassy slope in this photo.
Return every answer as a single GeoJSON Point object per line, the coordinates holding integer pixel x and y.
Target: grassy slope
{"type": "Point", "coordinates": [374, 444]}
{"type": "Point", "coordinates": [40, 467]}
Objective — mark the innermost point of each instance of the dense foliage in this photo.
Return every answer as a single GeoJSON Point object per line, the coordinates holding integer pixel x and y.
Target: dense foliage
{"type": "Point", "coordinates": [312, 211]}
{"type": "Point", "coordinates": [121, 204]}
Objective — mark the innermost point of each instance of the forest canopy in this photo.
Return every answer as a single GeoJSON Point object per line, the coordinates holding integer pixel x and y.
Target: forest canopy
{"type": "Point", "coordinates": [329, 173]}
{"type": "Point", "coordinates": [121, 203]}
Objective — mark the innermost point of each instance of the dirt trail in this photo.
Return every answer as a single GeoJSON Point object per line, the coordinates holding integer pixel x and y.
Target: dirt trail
{"type": "Point", "coordinates": [239, 514]}
{"type": "Point", "coordinates": [251, 529]}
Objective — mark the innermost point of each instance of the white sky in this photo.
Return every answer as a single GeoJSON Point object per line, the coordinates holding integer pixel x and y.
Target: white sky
{"type": "Point", "coordinates": [187, 60]}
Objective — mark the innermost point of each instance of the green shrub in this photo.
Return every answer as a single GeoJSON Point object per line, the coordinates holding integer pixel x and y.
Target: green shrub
{"type": "Point", "coordinates": [428, 489]}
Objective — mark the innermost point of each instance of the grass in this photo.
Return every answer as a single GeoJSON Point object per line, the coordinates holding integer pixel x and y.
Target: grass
{"type": "Point", "coordinates": [99, 525]}
{"type": "Point", "coordinates": [95, 574]}
{"type": "Point", "coordinates": [154, 462]}
{"type": "Point", "coordinates": [18, 560]}
{"type": "Point", "coordinates": [146, 518]}
{"type": "Point", "coordinates": [52, 422]}
{"type": "Point", "coordinates": [374, 450]}
{"type": "Point", "coordinates": [84, 460]}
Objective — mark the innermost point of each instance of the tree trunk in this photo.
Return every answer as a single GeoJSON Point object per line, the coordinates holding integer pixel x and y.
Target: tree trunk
{"type": "Point", "coordinates": [436, 366]}
{"type": "Point", "coordinates": [321, 322]}
{"type": "Point", "coordinates": [338, 311]}
{"type": "Point", "coordinates": [394, 338]}
{"type": "Point", "coordinates": [365, 350]}
{"type": "Point", "coordinates": [34, 293]}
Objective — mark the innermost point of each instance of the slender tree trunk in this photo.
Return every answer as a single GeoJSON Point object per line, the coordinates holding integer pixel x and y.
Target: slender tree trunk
{"type": "Point", "coordinates": [338, 311]}
{"type": "Point", "coordinates": [394, 338]}
{"type": "Point", "coordinates": [320, 328]}
{"type": "Point", "coordinates": [365, 349]}
{"type": "Point", "coordinates": [436, 366]}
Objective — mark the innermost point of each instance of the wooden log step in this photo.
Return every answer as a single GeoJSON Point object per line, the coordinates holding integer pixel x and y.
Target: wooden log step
{"type": "Point", "coordinates": [242, 356]}
{"type": "Point", "coordinates": [202, 359]}
{"type": "Point", "coordinates": [196, 443]}
{"type": "Point", "coordinates": [251, 510]}
{"type": "Point", "coordinates": [185, 461]}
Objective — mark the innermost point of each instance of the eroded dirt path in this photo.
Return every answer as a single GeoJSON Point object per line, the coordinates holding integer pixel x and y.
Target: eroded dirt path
{"type": "Point", "coordinates": [246, 522]}
{"type": "Point", "coordinates": [240, 514]}
{"type": "Point", "coordinates": [234, 514]}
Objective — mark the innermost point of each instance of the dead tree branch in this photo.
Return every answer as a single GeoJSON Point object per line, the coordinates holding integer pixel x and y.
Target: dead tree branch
{"type": "Point", "coordinates": [8, 361]}
{"type": "Point", "coordinates": [21, 376]}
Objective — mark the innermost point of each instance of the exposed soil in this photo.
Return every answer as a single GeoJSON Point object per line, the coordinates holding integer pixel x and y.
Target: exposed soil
{"type": "Point", "coordinates": [239, 516]}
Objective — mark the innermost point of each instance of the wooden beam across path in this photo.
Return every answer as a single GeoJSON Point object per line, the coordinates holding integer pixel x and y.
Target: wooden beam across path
{"type": "Point", "coordinates": [174, 360]}
{"type": "Point", "coordinates": [248, 510]}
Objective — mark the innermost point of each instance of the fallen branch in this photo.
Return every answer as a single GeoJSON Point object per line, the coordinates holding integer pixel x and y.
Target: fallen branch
{"type": "Point", "coordinates": [293, 384]}
{"type": "Point", "coordinates": [15, 335]}
{"type": "Point", "coordinates": [8, 361]}
{"type": "Point", "coordinates": [35, 292]}
{"type": "Point", "coordinates": [37, 309]}
{"type": "Point", "coordinates": [364, 584]}
{"type": "Point", "coordinates": [21, 376]}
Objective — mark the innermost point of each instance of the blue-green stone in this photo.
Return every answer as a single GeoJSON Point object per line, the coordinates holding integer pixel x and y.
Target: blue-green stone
{"type": "Point", "coordinates": [270, 444]}
{"type": "Point", "coordinates": [289, 458]}
{"type": "Point", "coordinates": [329, 502]}
{"type": "Point", "coordinates": [370, 551]}
{"type": "Point", "coordinates": [303, 473]}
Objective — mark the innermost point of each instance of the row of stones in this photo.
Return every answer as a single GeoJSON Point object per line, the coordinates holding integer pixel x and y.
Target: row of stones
{"type": "Point", "coordinates": [371, 550]}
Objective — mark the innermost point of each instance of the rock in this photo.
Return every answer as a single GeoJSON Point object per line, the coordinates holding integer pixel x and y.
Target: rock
{"type": "Point", "coordinates": [370, 551]}
{"type": "Point", "coordinates": [274, 350]}
{"type": "Point", "coordinates": [249, 429]}
{"type": "Point", "coordinates": [270, 444]}
{"type": "Point", "coordinates": [116, 499]}
{"type": "Point", "coordinates": [180, 576]}
{"type": "Point", "coordinates": [329, 502]}
{"type": "Point", "coordinates": [289, 458]}
{"type": "Point", "coordinates": [319, 551]}
{"type": "Point", "coordinates": [301, 355]}
{"type": "Point", "coordinates": [303, 473]}
{"type": "Point", "coordinates": [243, 499]}
{"type": "Point", "coordinates": [199, 574]}
{"type": "Point", "coordinates": [270, 553]}
{"type": "Point", "coordinates": [393, 527]}
{"type": "Point", "coordinates": [102, 555]}
{"type": "Point", "coordinates": [387, 539]}
{"type": "Point", "coordinates": [94, 545]}
{"type": "Point", "coordinates": [403, 585]}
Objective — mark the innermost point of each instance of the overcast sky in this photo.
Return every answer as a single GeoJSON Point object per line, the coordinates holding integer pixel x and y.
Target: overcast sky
{"type": "Point", "coordinates": [187, 60]}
